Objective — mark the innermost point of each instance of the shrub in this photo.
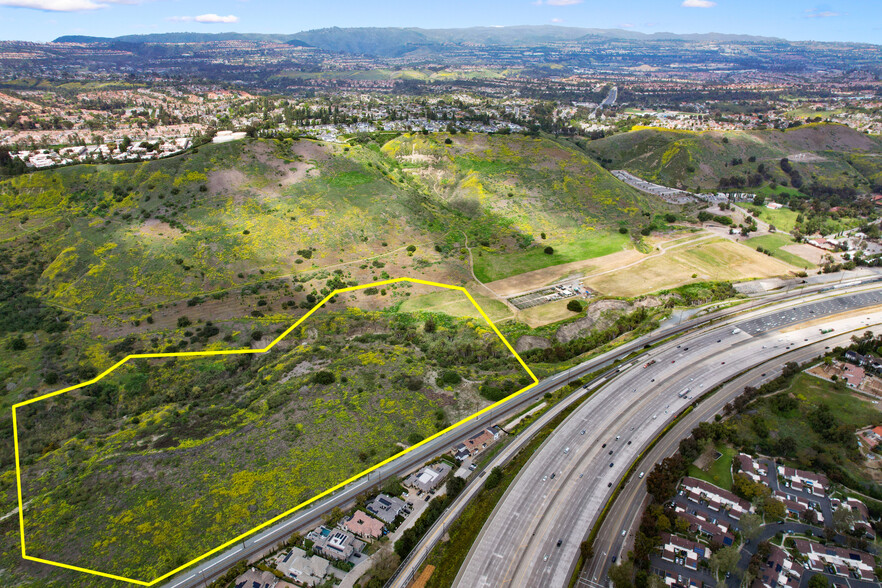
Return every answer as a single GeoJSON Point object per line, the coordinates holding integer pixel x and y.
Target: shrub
{"type": "Point", "coordinates": [257, 335]}
{"type": "Point", "coordinates": [493, 478]}
{"type": "Point", "coordinates": [623, 230]}
{"type": "Point", "coordinates": [448, 378]}
{"type": "Point", "coordinates": [574, 306]}
{"type": "Point", "coordinates": [17, 343]}
{"type": "Point", "coordinates": [549, 250]}
{"type": "Point", "coordinates": [183, 322]}
{"type": "Point", "coordinates": [324, 378]}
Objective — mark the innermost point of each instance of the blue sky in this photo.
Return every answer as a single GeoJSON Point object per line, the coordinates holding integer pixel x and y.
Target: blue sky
{"type": "Point", "coordinates": [836, 20]}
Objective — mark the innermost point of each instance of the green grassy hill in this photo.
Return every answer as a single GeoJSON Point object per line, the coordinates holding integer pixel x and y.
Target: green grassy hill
{"type": "Point", "coordinates": [126, 237]}
{"type": "Point", "coordinates": [837, 155]}
{"type": "Point", "coordinates": [521, 189]}
{"type": "Point", "coordinates": [221, 248]}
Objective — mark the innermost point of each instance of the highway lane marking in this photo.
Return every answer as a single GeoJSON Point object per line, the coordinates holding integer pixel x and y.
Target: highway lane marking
{"type": "Point", "coordinates": [748, 378]}
{"type": "Point", "coordinates": [620, 518]}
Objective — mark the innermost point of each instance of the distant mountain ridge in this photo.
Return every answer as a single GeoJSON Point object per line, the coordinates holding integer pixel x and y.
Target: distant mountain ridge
{"type": "Point", "coordinates": [394, 41]}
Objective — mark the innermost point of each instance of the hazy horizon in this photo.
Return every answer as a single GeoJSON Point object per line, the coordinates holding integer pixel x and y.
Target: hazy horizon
{"type": "Point", "coordinates": [793, 20]}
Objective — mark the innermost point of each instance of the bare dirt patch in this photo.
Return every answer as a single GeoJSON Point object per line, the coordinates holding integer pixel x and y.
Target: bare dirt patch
{"type": "Point", "coordinates": [546, 276]}
{"type": "Point", "coordinates": [807, 252]}
{"type": "Point", "coordinates": [599, 315]}
{"type": "Point", "coordinates": [307, 155]}
{"type": "Point", "coordinates": [157, 229]}
{"type": "Point", "coordinates": [224, 181]}
{"type": "Point", "coordinates": [529, 342]}
{"type": "Point", "coordinates": [702, 261]}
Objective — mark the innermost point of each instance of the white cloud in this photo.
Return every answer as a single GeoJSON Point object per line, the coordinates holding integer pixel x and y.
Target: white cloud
{"type": "Point", "coordinates": [557, 20]}
{"type": "Point", "coordinates": [817, 13]}
{"type": "Point", "coordinates": [63, 5]}
{"type": "Point", "coordinates": [698, 4]}
{"type": "Point", "coordinates": [205, 18]}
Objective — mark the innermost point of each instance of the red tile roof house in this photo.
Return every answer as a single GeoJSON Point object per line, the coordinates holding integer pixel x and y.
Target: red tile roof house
{"type": "Point", "coordinates": [852, 374]}
{"type": "Point", "coordinates": [748, 467]}
{"type": "Point", "coordinates": [715, 532]}
{"type": "Point", "coordinates": [872, 437]}
{"type": "Point", "coordinates": [817, 482]}
{"type": "Point", "coordinates": [794, 507]}
{"type": "Point", "coordinates": [363, 525]}
{"type": "Point", "coordinates": [674, 547]}
{"type": "Point", "coordinates": [779, 570]}
{"type": "Point", "coordinates": [716, 497]}
{"type": "Point", "coordinates": [676, 580]}
{"type": "Point", "coordinates": [862, 516]}
{"type": "Point", "coordinates": [840, 558]}
{"type": "Point", "coordinates": [480, 441]}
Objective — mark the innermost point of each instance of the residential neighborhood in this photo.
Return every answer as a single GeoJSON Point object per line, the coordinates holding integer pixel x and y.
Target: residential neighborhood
{"type": "Point", "coordinates": [818, 533]}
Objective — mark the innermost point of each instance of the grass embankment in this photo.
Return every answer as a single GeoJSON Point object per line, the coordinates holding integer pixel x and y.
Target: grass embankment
{"type": "Point", "coordinates": [490, 266]}
{"type": "Point", "coordinates": [448, 556]}
{"type": "Point", "coordinates": [698, 160]}
{"type": "Point", "coordinates": [456, 304]}
{"type": "Point", "coordinates": [775, 243]}
{"type": "Point", "coordinates": [811, 424]}
{"type": "Point", "coordinates": [784, 219]}
{"type": "Point", "coordinates": [719, 472]}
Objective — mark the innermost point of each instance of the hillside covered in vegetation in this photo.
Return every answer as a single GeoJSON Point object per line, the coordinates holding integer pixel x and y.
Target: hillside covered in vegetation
{"type": "Point", "coordinates": [823, 160]}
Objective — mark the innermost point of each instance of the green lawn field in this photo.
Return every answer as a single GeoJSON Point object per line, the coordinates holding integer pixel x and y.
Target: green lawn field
{"type": "Point", "coordinates": [774, 243]}
{"type": "Point", "coordinates": [491, 266]}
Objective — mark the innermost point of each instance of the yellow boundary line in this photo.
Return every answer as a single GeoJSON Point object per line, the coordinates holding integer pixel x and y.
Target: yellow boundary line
{"type": "Point", "coordinates": [237, 352]}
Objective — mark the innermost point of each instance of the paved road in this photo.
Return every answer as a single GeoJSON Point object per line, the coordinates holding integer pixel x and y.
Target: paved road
{"type": "Point", "coordinates": [628, 507]}
{"type": "Point", "coordinates": [533, 536]}
{"type": "Point", "coordinates": [213, 567]}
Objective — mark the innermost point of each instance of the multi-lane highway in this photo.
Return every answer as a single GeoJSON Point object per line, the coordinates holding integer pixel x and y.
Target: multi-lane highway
{"type": "Point", "coordinates": [532, 538]}
{"type": "Point", "coordinates": [213, 567]}
{"type": "Point", "coordinates": [626, 511]}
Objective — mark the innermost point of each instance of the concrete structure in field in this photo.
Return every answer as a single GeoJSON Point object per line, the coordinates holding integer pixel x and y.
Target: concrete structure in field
{"type": "Point", "coordinates": [717, 498]}
{"type": "Point", "coordinates": [844, 561]}
{"type": "Point", "coordinates": [689, 553]}
{"type": "Point", "coordinates": [386, 507]}
{"type": "Point", "coordinates": [430, 477]}
{"type": "Point", "coordinates": [364, 525]}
